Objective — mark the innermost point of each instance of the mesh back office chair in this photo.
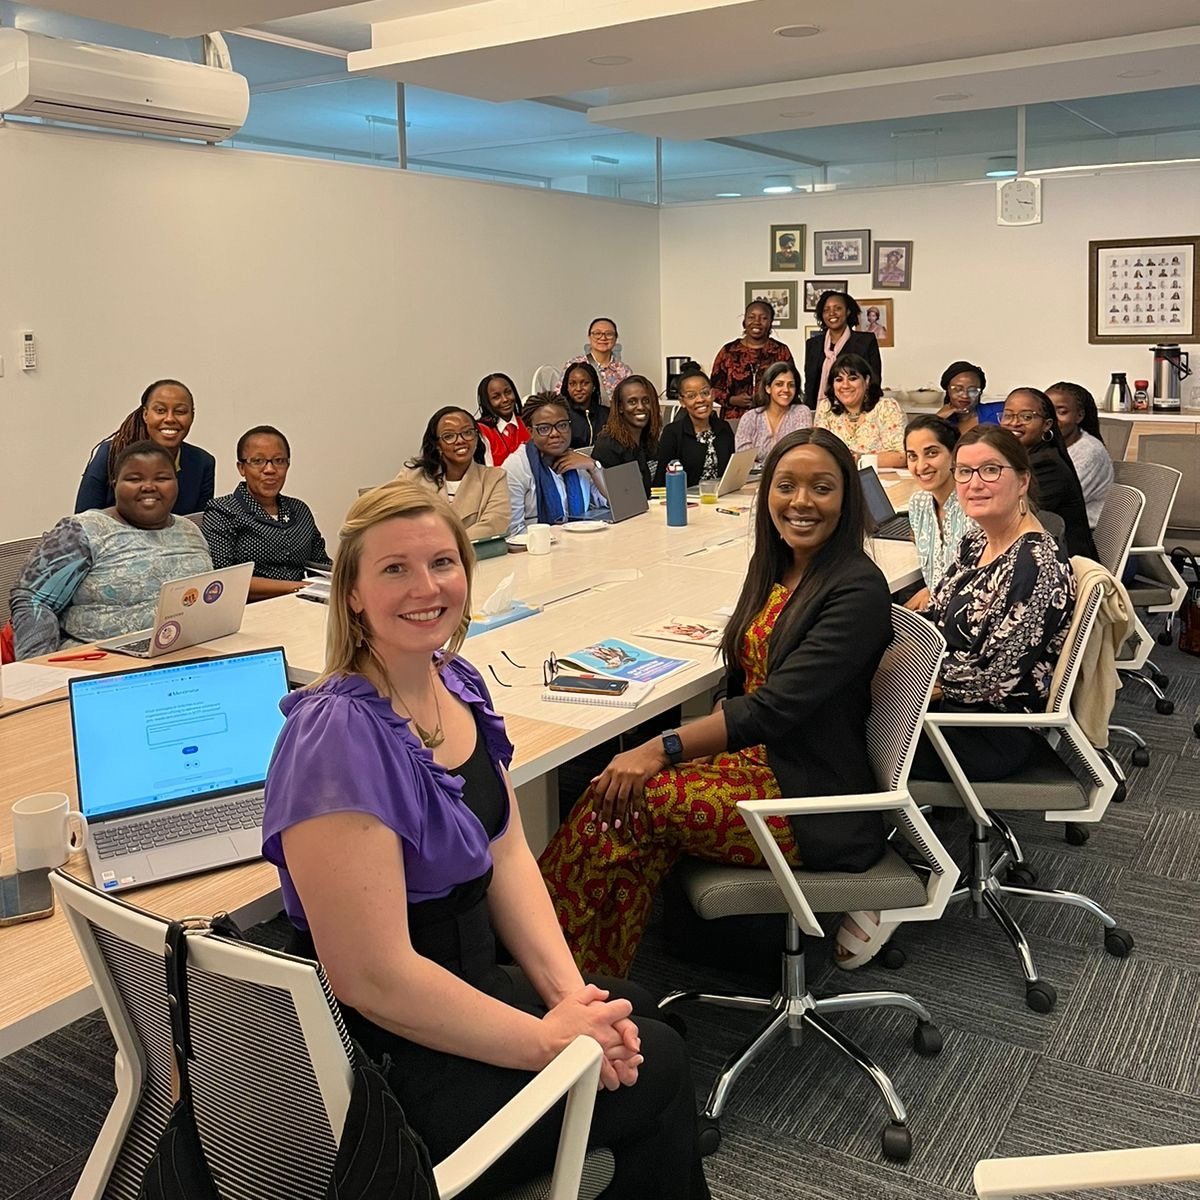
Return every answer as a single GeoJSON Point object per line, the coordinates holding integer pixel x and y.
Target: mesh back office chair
{"type": "Point", "coordinates": [13, 557]}
{"type": "Point", "coordinates": [268, 1039]}
{"type": "Point", "coordinates": [1181, 451]}
{"type": "Point", "coordinates": [1066, 781]}
{"type": "Point", "coordinates": [545, 379]}
{"type": "Point", "coordinates": [1115, 436]}
{"type": "Point", "coordinates": [900, 693]}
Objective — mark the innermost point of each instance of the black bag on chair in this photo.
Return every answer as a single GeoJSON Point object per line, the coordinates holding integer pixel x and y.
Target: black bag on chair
{"type": "Point", "coordinates": [1184, 561]}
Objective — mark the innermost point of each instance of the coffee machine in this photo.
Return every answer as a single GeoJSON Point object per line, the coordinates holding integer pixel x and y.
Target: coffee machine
{"type": "Point", "coordinates": [675, 365]}
{"type": "Point", "coordinates": [1170, 369]}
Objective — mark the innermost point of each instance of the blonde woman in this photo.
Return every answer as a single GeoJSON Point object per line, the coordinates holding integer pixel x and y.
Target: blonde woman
{"type": "Point", "coordinates": [391, 818]}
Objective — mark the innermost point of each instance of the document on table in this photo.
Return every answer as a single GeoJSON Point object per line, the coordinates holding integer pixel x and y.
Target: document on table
{"type": "Point", "coordinates": [28, 681]}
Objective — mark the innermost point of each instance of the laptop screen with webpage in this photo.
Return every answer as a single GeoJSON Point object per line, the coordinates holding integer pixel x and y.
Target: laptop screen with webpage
{"type": "Point", "coordinates": [156, 736]}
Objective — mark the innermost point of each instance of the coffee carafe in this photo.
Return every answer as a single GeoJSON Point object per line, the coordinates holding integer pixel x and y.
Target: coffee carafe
{"type": "Point", "coordinates": [675, 365]}
{"type": "Point", "coordinates": [1170, 369]}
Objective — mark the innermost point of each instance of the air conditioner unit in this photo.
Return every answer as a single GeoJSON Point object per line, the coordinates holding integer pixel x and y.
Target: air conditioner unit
{"type": "Point", "coordinates": [62, 80]}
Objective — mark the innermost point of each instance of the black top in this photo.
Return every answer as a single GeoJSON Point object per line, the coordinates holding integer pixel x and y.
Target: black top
{"type": "Point", "coordinates": [1059, 492]}
{"type": "Point", "coordinates": [678, 440]}
{"type": "Point", "coordinates": [608, 452]}
{"type": "Point", "coordinates": [196, 474]}
{"type": "Point", "coordinates": [585, 424]}
{"type": "Point", "coordinates": [811, 712]}
{"type": "Point", "coordinates": [238, 529]}
{"type": "Point", "coordinates": [860, 343]}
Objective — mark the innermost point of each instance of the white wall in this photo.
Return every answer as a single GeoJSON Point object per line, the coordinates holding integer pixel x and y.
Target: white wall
{"type": "Point", "coordinates": [341, 303]}
{"type": "Point", "coordinates": [1013, 300]}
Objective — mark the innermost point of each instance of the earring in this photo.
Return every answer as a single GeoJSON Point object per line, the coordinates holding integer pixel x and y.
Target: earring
{"type": "Point", "coordinates": [1022, 507]}
{"type": "Point", "coordinates": [1048, 436]}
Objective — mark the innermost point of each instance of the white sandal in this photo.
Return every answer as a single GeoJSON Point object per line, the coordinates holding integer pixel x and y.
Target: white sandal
{"type": "Point", "coordinates": [862, 950]}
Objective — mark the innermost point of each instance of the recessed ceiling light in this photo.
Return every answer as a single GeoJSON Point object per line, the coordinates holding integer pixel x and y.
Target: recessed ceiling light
{"type": "Point", "coordinates": [777, 185]}
{"type": "Point", "coordinates": [950, 96]}
{"type": "Point", "coordinates": [1144, 73]}
{"type": "Point", "coordinates": [610, 60]}
{"type": "Point", "coordinates": [799, 112]}
{"type": "Point", "coordinates": [797, 31]}
{"type": "Point", "coordinates": [929, 131]}
{"type": "Point", "coordinates": [728, 195]}
{"type": "Point", "coordinates": [1001, 166]}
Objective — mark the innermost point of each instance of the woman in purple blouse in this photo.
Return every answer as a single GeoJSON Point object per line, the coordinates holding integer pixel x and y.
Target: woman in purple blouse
{"type": "Point", "coordinates": [391, 818]}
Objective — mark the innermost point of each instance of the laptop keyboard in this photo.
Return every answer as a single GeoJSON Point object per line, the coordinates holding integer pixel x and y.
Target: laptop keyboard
{"type": "Point", "coordinates": [894, 527]}
{"type": "Point", "coordinates": [141, 646]}
{"type": "Point", "coordinates": [184, 825]}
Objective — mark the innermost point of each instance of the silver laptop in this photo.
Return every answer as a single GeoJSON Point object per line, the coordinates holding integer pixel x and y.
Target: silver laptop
{"type": "Point", "coordinates": [170, 763]}
{"type": "Point", "coordinates": [626, 491]}
{"type": "Point", "coordinates": [737, 471]}
{"type": "Point", "coordinates": [191, 610]}
{"type": "Point", "coordinates": [889, 524]}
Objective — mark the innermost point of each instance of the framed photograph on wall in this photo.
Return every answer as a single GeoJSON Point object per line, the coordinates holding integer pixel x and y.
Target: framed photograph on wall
{"type": "Point", "coordinates": [877, 319]}
{"type": "Point", "coordinates": [813, 288]}
{"type": "Point", "coordinates": [842, 252]}
{"type": "Point", "coordinates": [893, 265]}
{"type": "Point", "coordinates": [810, 331]}
{"type": "Point", "coordinates": [783, 298]}
{"type": "Point", "coordinates": [1144, 290]}
{"type": "Point", "coordinates": [787, 247]}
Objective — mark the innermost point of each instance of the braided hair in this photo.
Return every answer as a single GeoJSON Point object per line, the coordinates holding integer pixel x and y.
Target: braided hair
{"type": "Point", "coordinates": [133, 428]}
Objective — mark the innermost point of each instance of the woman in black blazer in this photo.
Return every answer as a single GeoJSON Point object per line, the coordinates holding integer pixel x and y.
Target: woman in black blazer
{"type": "Point", "coordinates": [800, 652]}
{"type": "Point", "coordinates": [699, 439]}
{"type": "Point", "coordinates": [838, 315]}
{"type": "Point", "coordinates": [1029, 413]}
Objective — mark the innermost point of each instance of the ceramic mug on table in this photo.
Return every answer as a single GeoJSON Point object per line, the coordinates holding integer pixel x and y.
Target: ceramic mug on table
{"type": "Point", "coordinates": [46, 832]}
{"type": "Point", "coordinates": [538, 539]}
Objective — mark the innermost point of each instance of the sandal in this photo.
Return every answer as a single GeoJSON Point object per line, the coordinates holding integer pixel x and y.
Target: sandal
{"type": "Point", "coordinates": [862, 950]}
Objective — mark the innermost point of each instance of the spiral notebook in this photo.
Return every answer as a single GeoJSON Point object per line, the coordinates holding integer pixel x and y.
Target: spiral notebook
{"type": "Point", "coordinates": [631, 697]}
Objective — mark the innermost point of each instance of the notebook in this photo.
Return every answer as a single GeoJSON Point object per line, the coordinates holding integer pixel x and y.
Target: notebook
{"type": "Point", "coordinates": [737, 471]}
{"type": "Point", "coordinates": [626, 491]}
{"type": "Point", "coordinates": [191, 610]}
{"type": "Point", "coordinates": [889, 524]}
{"type": "Point", "coordinates": [631, 697]}
{"type": "Point", "coordinates": [171, 761]}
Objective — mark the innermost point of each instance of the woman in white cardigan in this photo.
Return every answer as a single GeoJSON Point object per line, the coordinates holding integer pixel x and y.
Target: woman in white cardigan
{"type": "Point", "coordinates": [451, 462]}
{"type": "Point", "coordinates": [1079, 423]}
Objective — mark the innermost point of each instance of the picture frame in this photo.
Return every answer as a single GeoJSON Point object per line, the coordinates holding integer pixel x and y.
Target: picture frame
{"type": "Point", "coordinates": [842, 252]}
{"type": "Point", "coordinates": [1144, 290]}
{"type": "Point", "coordinates": [782, 295]}
{"type": "Point", "coordinates": [814, 288]}
{"type": "Point", "coordinates": [893, 265]}
{"type": "Point", "coordinates": [810, 331]}
{"type": "Point", "coordinates": [787, 247]}
{"type": "Point", "coordinates": [883, 324]}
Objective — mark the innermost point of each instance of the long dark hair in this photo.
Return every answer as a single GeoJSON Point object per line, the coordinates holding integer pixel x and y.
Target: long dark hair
{"type": "Point", "coordinates": [1090, 421]}
{"type": "Point", "coordinates": [853, 311]}
{"type": "Point", "coordinates": [429, 458]}
{"type": "Point", "coordinates": [619, 429]}
{"type": "Point", "coordinates": [853, 364]}
{"type": "Point", "coordinates": [486, 415]}
{"type": "Point", "coordinates": [769, 376]}
{"type": "Point", "coordinates": [772, 558]}
{"type": "Point", "coordinates": [593, 405]}
{"type": "Point", "coordinates": [133, 428]}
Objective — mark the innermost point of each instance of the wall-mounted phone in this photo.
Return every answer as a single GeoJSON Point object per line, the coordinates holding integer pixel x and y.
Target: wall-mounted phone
{"type": "Point", "coordinates": [28, 350]}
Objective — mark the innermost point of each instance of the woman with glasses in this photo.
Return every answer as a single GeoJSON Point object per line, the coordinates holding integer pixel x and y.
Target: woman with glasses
{"type": "Point", "coordinates": [962, 386]}
{"type": "Point", "coordinates": [779, 409]}
{"type": "Point", "coordinates": [1079, 423]}
{"type": "Point", "coordinates": [1029, 414]}
{"type": "Point", "coordinates": [633, 428]}
{"type": "Point", "coordinates": [257, 523]}
{"type": "Point", "coordinates": [698, 438]}
{"type": "Point", "coordinates": [451, 461]}
{"type": "Point", "coordinates": [548, 482]}
{"type": "Point", "coordinates": [603, 357]}
{"type": "Point", "coordinates": [855, 408]}
{"type": "Point", "coordinates": [1004, 607]}
{"type": "Point", "coordinates": [500, 417]}
{"type": "Point", "coordinates": [580, 388]}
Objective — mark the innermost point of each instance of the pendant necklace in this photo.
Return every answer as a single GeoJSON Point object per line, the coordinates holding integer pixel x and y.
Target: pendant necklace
{"type": "Point", "coordinates": [430, 739]}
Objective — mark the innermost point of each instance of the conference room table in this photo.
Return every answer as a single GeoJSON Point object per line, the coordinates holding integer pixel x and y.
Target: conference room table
{"type": "Point", "coordinates": [593, 585]}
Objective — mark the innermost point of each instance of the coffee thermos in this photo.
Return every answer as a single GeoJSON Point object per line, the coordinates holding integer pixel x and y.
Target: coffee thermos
{"type": "Point", "coordinates": [675, 365]}
{"type": "Point", "coordinates": [1118, 398]}
{"type": "Point", "coordinates": [1170, 369]}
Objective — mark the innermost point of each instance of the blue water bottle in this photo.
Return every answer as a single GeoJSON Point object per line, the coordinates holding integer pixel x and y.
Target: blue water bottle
{"type": "Point", "coordinates": [676, 493]}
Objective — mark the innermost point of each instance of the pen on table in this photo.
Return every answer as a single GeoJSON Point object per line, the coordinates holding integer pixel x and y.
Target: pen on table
{"type": "Point", "coordinates": [731, 512]}
{"type": "Point", "coordinates": [92, 654]}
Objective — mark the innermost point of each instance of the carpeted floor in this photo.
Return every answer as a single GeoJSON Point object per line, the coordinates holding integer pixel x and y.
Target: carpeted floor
{"type": "Point", "coordinates": [1117, 1063]}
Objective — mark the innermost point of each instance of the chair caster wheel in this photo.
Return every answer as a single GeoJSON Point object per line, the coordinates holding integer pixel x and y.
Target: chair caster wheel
{"type": "Point", "coordinates": [1118, 942]}
{"type": "Point", "coordinates": [1021, 875]}
{"type": "Point", "coordinates": [1121, 794]}
{"type": "Point", "coordinates": [1164, 707]}
{"type": "Point", "coordinates": [1141, 756]}
{"type": "Point", "coordinates": [708, 1137]}
{"type": "Point", "coordinates": [1040, 996]}
{"type": "Point", "coordinates": [1076, 834]}
{"type": "Point", "coordinates": [1159, 678]}
{"type": "Point", "coordinates": [897, 1142]}
{"type": "Point", "coordinates": [1165, 638]}
{"type": "Point", "coordinates": [927, 1039]}
{"type": "Point", "coordinates": [892, 957]}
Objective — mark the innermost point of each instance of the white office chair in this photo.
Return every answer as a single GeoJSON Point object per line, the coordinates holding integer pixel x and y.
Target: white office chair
{"type": "Point", "coordinates": [1037, 1175]}
{"type": "Point", "coordinates": [268, 1038]}
{"type": "Point", "coordinates": [545, 379]}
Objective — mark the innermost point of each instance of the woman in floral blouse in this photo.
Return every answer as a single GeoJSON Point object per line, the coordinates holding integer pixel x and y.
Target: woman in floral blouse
{"type": "Point", "coordinates": [855, 408]}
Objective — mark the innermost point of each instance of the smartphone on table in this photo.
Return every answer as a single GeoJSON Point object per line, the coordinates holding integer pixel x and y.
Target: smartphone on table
{"type": "Point", "coordinates": [25, 896]}
{"type": "Point", "coordinates": [589, 685]}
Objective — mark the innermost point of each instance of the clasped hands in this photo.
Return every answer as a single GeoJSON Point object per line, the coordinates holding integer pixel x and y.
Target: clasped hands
{"type": "Point", "coordinates": [589, 1011]}
{"type": "Point", "coordinates": [616, 790]}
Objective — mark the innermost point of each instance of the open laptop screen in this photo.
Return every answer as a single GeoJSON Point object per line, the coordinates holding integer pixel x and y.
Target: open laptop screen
{"type": "Point", "coordinates": [878, 504]}
{"type": "Point", "coordinates": [149, 737]}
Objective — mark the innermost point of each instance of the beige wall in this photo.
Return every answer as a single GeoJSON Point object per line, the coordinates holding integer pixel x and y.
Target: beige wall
{"type": "Point", "coordinates": [1013, 300]}
{"type": "Point", "coordinates": [339, 302]}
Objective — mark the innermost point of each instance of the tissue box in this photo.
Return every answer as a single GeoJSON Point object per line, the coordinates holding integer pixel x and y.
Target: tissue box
{"type": "Point", "coordinates": [518, 612]}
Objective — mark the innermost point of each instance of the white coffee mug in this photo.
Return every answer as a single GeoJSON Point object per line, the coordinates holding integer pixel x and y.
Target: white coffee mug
{"type": "Point", "coordinates": [538, 539]}
{"type": "Point", "coordinates": [46, 832]}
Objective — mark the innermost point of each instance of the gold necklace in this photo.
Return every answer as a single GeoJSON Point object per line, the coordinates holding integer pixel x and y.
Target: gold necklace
{"type": "Point", "coordinates": [431, 740]}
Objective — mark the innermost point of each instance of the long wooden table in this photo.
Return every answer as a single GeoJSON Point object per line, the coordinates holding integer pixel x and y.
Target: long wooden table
{"type": "Point", "coordinates": [605, 584]}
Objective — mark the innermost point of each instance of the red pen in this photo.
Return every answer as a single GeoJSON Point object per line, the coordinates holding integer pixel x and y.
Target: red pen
{"type": "Point", "coordinates": [91, 654]}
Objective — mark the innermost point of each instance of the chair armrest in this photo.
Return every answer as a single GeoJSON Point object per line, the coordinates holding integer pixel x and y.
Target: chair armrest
{"type": "Point", "coordinates": [910, 820]}
{"type": "Point", "coordinates": [1003, 1178]}
{"type": "Point", "coordinates": [575, 1073]}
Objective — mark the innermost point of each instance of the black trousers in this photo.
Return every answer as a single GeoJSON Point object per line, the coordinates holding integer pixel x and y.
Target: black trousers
{"type": "Point", "coordinates": [650, 1127]}
{"type": "Point", "coordinates": [985, 754]}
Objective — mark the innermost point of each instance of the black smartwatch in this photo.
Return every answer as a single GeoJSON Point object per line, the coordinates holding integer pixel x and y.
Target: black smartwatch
{"type": "Point", "coordinates": [672, 747]}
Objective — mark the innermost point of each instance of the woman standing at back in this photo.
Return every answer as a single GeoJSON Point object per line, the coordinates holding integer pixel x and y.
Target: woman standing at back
{"type": "Point", "coordinates": [838, 315]}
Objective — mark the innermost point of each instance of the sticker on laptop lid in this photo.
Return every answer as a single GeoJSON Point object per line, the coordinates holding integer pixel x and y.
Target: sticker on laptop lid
{"type": "Point", "coordinates": [167, 635]}
{"type": "Point", "coordinates": [212, 593]}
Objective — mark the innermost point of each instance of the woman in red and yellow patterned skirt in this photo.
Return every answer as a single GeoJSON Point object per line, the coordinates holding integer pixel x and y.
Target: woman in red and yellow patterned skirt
{"type": "Point", "coordinates": [800, 650]}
